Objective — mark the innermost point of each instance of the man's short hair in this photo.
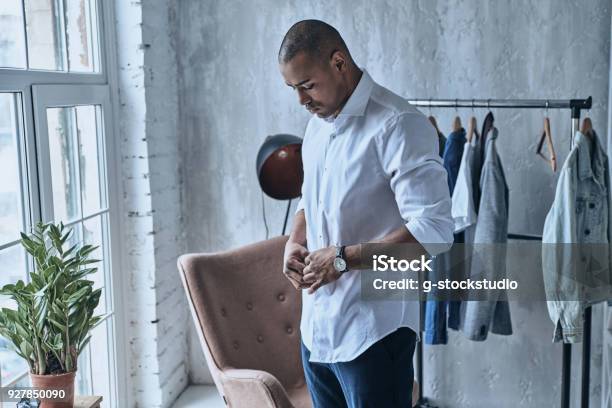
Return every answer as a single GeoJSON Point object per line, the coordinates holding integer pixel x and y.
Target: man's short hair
{"type": "Point", "coordinates": [314, 37]}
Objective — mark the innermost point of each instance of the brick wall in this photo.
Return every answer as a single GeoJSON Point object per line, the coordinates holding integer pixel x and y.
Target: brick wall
{"type": "Point", "coordinates": [150, 165]}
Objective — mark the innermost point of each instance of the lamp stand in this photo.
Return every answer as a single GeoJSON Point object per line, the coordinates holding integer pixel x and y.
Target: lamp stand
{"type": "Point", "coordinates": [286, 217]}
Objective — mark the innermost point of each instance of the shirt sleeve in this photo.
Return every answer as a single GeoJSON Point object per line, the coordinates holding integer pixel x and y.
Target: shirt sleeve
{"type": "Point", "coordinates": [408, 155]}
{"type": "Point", "coordinates": [301, 202]}
{"type": "Point", "coordinates": [300, 205]}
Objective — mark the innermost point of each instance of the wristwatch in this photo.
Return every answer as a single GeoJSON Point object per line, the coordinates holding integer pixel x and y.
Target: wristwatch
{"type": "Point", "coordinates": [340, 263]}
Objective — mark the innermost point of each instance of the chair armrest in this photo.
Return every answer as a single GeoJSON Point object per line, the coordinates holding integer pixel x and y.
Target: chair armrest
{"type": "Point", "coordinates": [253, 388]}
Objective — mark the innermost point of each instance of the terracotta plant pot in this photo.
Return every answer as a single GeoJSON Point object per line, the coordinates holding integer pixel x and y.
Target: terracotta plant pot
{"type": "Point", "coordinates": [52, 383]}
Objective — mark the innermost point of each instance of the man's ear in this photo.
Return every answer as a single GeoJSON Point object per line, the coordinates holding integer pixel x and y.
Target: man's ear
{"type": "Point", "coordinates": [338, 60]}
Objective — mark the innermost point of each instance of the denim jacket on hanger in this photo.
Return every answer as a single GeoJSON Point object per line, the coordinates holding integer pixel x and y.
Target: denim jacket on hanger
{"type": "Point", "coordinates": [576, 239]}
{"type": "Point", "coordinates": [437, 310]}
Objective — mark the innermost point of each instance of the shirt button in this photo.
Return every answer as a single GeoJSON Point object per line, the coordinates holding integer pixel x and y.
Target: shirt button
{"type": "Point", "coordinates": [591, 205]}
{"type": "Point", "coordinates": [587, 231]}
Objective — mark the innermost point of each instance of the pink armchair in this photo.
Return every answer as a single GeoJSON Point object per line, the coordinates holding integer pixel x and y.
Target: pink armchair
{"type": "Point", "coordinates": [247, 317]}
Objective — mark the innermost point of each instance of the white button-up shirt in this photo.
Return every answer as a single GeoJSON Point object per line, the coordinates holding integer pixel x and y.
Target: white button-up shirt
{"type": "Point", "coordinates": [371, 170]}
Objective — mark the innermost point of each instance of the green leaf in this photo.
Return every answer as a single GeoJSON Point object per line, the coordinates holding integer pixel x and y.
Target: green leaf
{"type": "Point", "coordinates": [65, 238]}
{"type": "Point", "coordinates": [78, 294]}
{"type": "Point", "coordinates": [83, 344]}
{"type": "Point", "coordinates": [8, 289]}
{"type": "Point", "coordinates": [58, 325]}
{"type": "Point", "coordinates": [27, 349]}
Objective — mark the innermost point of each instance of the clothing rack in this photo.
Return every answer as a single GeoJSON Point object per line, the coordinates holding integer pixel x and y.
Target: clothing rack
{"type": "Point", "coordinates": [575, 106]}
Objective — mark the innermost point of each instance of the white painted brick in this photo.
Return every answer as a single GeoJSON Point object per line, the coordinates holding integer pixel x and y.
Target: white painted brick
{"type": "Point", "coordinates": [152, 193]}
{"type": "Point", "coordinates": [176, 337]}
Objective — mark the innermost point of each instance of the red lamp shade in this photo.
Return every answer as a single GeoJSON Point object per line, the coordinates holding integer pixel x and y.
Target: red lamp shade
{"type": "Point", "coordinates": [279, 166]}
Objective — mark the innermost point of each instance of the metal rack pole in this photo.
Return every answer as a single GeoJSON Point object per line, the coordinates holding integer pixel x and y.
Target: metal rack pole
{"type": "Point", "coordinates": [586, 341]}
{"type": "Point", "coordinates": [575, 105]}
{"type": "Point", "coordinates": [586, 359]}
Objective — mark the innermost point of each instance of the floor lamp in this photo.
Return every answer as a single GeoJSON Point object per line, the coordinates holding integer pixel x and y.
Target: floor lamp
{"type": "Point", "coordinates": [279, 168]}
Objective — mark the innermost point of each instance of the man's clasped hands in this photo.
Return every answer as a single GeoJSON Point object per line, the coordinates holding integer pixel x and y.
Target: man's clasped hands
{"type": "Point", "coordinates": [309, 270]}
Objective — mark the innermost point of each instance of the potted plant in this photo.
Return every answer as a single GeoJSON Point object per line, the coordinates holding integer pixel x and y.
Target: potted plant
{"type": "Point", "coordinates": [54, 315]}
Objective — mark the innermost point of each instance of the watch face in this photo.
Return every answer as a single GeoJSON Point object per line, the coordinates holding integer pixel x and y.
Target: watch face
{"type": "Point", "coordinates": [339, 264]}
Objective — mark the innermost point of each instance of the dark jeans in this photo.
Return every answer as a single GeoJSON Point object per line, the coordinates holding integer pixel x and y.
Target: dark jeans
{"type": "Point", "coordinates": [381, 376]}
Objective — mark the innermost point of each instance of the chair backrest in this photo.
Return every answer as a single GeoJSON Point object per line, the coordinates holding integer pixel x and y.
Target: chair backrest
{"type": "Point", "coordinates": [246, 312]}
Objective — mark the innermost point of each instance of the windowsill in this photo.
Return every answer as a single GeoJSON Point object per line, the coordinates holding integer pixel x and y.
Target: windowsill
{"type": "Point", "coordinates": [199, 396]}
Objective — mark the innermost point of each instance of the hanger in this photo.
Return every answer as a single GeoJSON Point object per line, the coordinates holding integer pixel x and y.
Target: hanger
{"type": "Point", "coordinates": [457, 124]}
{"type": "Point", "coordinates": [472, 129]}
{"type": "Point", "coordinates": [487, 125]}
{"type": "Point", "coordinates": [434, 122]}
{"type": "Point", "coordinates": [587, 128]}
{"type": "Point", "coordinates": [547, 136]}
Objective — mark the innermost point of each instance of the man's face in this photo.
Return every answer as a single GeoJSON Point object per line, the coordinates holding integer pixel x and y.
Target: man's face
{"type": "Point", "coordinates": [320, 85]}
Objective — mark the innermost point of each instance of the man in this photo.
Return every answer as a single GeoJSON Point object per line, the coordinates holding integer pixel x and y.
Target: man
{"type": "Point", "coordinates": [372, 173]}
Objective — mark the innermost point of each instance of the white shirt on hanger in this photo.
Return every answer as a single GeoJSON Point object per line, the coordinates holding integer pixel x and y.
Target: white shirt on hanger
{"type": "Point", "coordinates": [463, 209]}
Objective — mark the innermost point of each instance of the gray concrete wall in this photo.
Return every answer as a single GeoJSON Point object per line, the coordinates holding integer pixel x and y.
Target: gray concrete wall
{"type": "Point", "coordinates": [232, 96]}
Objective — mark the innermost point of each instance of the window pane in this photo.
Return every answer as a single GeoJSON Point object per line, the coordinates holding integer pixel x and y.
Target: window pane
{"type": "Point", "coordinates": [100, 360]}
{"type": "Point", "coordinates": [79, 38]}
{"type": "Point", "coordinates": [10, 187]}
{"type": "Point", "coordinates": [12, 268]}
{"type": "Point", "coordinates": [24, 381]}
{"type": "Point", "coordinates": [92, 235]}
{"type": "Point", "coordinates": [11, 364]}
{"type": "Point", "coordinates": [88, 157]}
{"type": "Point", "coordinates": [83, 377]}
{"type": "Point", "coordinates": [12, 41]}
{"type": "Point", "coordinates": [45, 35]}
{"type": "Point", "coordinates": [76, 236]}
{"type": "Point", "coordinates": [64, 174]}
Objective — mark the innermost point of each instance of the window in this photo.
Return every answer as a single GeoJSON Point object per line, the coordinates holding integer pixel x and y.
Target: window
{"type": "Point", "coordinates": [12, 211]}
{"type": "Point", "coordinates": [56, 162]}
{"type": "Point", "coordinates": [55, 35]}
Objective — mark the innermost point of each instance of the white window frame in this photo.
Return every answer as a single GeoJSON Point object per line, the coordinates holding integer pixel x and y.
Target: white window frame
{"type": "Point", "coordinates": [99, 86]}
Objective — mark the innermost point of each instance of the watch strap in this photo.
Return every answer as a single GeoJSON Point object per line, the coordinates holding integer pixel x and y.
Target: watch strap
{"type": "Point", "coordinates": [340, 254]}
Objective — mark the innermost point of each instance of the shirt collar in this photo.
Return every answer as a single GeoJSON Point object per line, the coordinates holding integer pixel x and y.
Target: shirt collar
{"type": "Point", "coordinates": [357, 102]}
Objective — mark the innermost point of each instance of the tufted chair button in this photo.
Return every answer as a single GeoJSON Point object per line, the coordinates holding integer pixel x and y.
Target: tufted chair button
{"type": "Point", "coordinates": [281, 297]}
{"type": "Point", "coordinates": [289, 329]}
{"type": "Point", "coordinates": [260, 338]}
{"type": "Point", "coordinates": [235, 345]}
{"type": "Point", "coordinates": [249, 306]}
{"type": "Point", "coordinates": [223, 312]}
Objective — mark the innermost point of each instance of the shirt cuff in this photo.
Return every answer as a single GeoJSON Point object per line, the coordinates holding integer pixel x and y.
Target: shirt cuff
{"type": "Point", "coordinates": [436, 236]}
{"type": "Point", "coordinates": [462, 223]}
